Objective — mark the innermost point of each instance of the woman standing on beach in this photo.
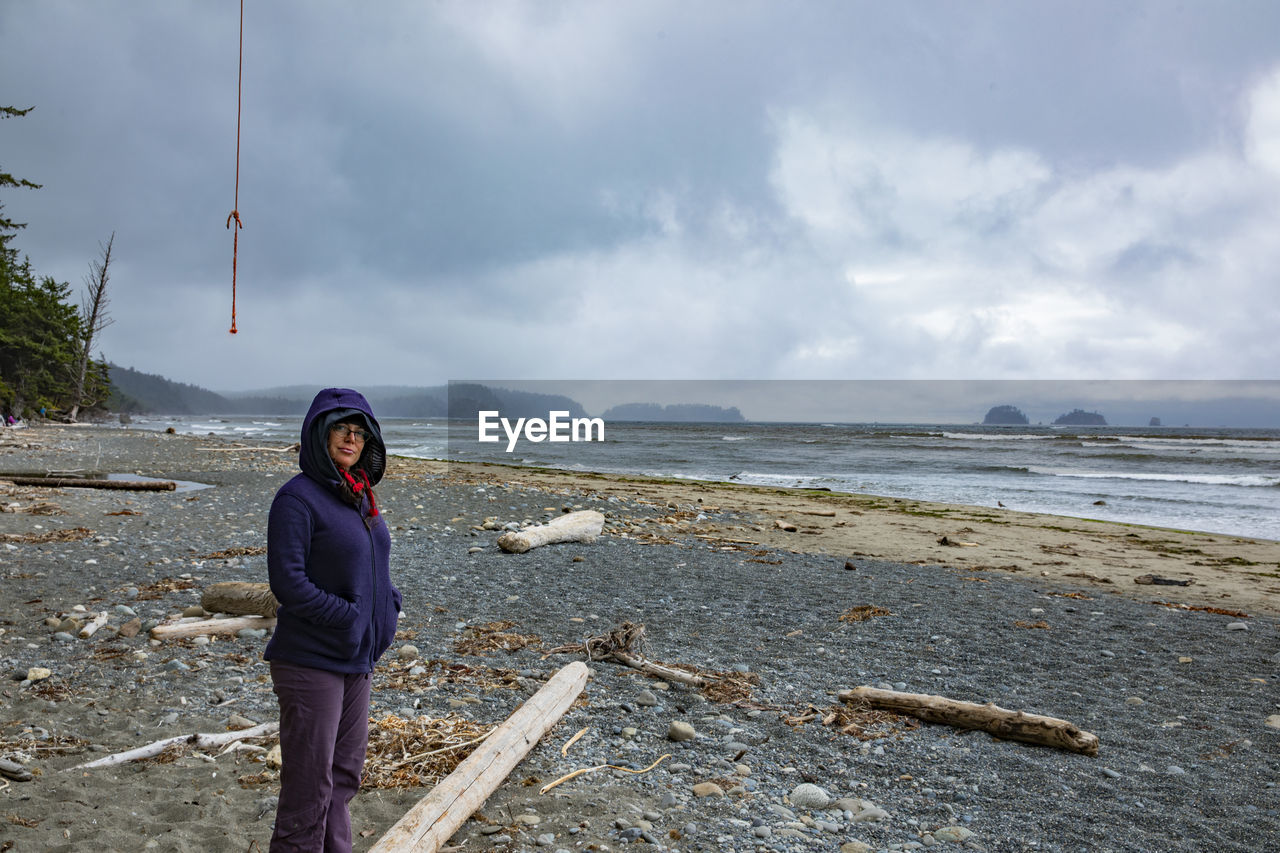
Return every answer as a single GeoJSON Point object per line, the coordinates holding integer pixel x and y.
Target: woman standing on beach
{"type": "Point", "coordinates": [327, 556]}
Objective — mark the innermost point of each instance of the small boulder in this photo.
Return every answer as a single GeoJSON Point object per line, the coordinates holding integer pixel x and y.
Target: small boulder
{"type": "Point", "coordinates": [809, 796]}
{"type": "Point", "coordinates": [680, 731]}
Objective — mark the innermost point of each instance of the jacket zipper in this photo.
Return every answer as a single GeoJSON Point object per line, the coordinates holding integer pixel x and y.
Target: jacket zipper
{"type": "Point", "coordinates": [373, 569]}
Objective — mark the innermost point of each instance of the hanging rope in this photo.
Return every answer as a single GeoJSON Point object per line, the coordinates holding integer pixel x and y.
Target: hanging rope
{"type": "Point", "coordinates": [235, 211]}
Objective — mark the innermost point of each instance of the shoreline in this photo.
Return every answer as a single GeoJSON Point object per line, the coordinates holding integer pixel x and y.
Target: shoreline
{"type": "Point", "coordinates": [1227, 572]}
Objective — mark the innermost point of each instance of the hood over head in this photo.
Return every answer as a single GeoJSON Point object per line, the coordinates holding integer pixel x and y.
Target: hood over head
{"type": "Point", "coordinates": [330, 406]}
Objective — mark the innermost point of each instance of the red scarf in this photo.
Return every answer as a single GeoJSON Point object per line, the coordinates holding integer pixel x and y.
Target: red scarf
{"type": "Point", "coordinates": [359, 487]}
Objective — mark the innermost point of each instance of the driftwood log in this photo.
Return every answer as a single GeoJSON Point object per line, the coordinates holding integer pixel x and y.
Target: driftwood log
{"type": "Point", "coordinates": [209, 627]}
{"type": "Point", "coordinates": [437, 816]}
{"type": "Point", "coordinates": [1011, 725]}
{"type": "Point", "coordinates": [239, 598]}
{"type": "Point", "coordinates": [91, 627]}
{"type": "Point", "coordinates": [199, 741]}
{"type": "Point", "coordinates": [582, 526]}
{"type": "Point", "coordinates": [77, 483]}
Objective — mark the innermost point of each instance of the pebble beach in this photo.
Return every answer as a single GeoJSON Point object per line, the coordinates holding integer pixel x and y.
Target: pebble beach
{"type": "Point", "coordinates": [792, 597]}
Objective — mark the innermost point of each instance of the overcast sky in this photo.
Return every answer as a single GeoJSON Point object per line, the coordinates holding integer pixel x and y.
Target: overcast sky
{"type": "Point", "coordinates": [638, 190]}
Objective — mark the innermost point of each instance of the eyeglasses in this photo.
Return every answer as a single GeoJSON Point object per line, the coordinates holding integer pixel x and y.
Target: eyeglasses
{"type": "Point", "coordinates": [344, 430]}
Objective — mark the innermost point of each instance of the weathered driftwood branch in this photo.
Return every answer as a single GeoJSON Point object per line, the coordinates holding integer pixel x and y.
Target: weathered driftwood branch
{"type": "Point", "coordinates": [566, 777]}
{"type": "Point", "coordinates": [91, 627]}
{"type": "Point", "coordinates": [199, 741]}
{"type": "Point", "coordinates": [209, 627]}
{"type": "Point", "coordinates": [239, 598]}
{"type": "Point", "coordinates": [667, 673]}
{"type": "Point", "coordinates": [582, 526]}
{"type": "Point", "coordinates": [76, 483]}
{"type": "Point", "coordinates": [1011, 725]}
{"type": "Point", "coordinates": [622, 645]}
{"type": "Point", "coordinates": [437, 816]}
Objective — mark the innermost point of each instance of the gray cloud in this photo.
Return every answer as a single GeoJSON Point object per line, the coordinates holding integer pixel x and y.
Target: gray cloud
{"type": "Point", "coordinates": [632, 189]}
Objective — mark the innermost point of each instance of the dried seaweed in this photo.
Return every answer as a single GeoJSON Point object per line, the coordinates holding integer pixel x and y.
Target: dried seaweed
{"type": "Point", "coordinates": [494, 636]}
{"type": "Point", "coordinates": [38, 508]}
{"type": "Point", "coordinates": [414, 753]}
{"type": "Point", "coordinates": [863, 612]}
{"type": "Point", "coordinates": [862, 722]}
{"type": "Point", "coordinates": [1200, 608]}
{"type": "Point", "coordinates": [226, 553]}
{"type": "Point", "coordinates": [400, 676]}
{"type": "Point", "coordinates": [70, 534]}
{"type": "Point", "coordinates": [164, 586]}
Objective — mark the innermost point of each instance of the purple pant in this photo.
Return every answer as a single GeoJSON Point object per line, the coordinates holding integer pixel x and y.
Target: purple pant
{"type": "Point", "coordinates": [324, 730]}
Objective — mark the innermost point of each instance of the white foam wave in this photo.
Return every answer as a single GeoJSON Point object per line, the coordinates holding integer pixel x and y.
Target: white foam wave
{"type": "Point", "coordinates": [1191, 445]}
{"type": "Point", "coordinates": [1252, 480]}
{"type": "Point", "coordinates": [973, 436]}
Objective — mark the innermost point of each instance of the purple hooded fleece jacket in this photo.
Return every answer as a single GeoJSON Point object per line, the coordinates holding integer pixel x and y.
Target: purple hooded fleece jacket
{"type": "Point", "coordinates": [327, 560]}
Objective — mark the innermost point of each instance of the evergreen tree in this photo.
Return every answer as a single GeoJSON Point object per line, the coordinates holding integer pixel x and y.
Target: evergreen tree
{"type": "Point", "coordinates": [42, 334]}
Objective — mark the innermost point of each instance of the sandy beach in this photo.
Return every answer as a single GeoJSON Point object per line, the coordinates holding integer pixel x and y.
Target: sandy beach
{"type": "Point", "coordinates": [798, 594]}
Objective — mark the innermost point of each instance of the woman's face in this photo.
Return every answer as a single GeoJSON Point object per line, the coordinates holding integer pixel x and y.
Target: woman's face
{"type": "Point", "coordinates": [346, 443]}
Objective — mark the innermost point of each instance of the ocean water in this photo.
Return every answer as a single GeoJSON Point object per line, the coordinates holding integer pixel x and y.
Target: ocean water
{"type": "Point", "coordinates": [1213, 480]}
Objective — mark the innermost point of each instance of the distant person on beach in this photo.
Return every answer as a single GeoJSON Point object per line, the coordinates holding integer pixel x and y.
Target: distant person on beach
{"type": "Point", "coordinates": [327, 556]}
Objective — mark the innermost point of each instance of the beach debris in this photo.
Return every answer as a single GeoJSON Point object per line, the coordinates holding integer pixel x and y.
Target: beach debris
{"type": "Point", "coordinates": [582, 526]}
{"type": "Point", "coordinates": [1159, 581]}
{"type": "Point", "coordinates": [196, 740]}
{"type": "Point", "coordinates": [227, 553]}
{"type": "Point", "coordinates": [1201, 608]}
{"type": "Point", "coordinates": [1022, 623]}
{"type": "Point", "coordinates": [37, 508]}
{"type": "Point", "coordinates": [622, 645]}
{"type": "Point", "coordinates": [785, 525]}
{"type": "Point", "coordinates": [198, 627]}
{"type": "Point", "coordinates": [564, 750]}
{"type": "Point", "coordinates": [576, 773]}
{"type": "Point", "coordinates": [437, 816]}
{"type": "Point", "coordinates": [1088, 577]}
{"type": "Point", "coordinates": [91, 627]}
{"type": "Point", "coordinates": [862, 613]}
{"type": "Point", "coordinates": [83, 483]}
{"type": "Point", "coordinates": [65, 535]}
{"type": "Point", "coordinates": [956, 543]}
{"type": "Point", "coordinates": [245, 448]}
{"type": "Point", "coordinates": [239, 598]}
{"type": "Point", "coordinates": [494, 636]}
{"type": "Point", "coordinates": [1010, 725]}
{"type": "Point", "coordinates": [418, 752]}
